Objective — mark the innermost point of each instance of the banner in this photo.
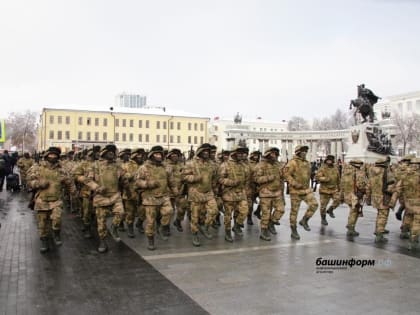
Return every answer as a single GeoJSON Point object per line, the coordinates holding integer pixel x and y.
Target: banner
{"type": "Point", "coordinates": [2, 131]}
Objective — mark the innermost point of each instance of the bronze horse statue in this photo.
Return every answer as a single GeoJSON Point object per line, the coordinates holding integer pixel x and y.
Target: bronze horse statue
{"type": "Point", "coordinates": [364, 104]}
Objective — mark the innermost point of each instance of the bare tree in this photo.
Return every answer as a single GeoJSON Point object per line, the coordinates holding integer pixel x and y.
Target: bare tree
{"type": "Point", "coordinates": [297, 123]}
{"type": "Point", "coordinates": [339, 120]}
{"type": "Point", "coordinates": [408, 131]}
{"type": "Point", "coordinates": [21, 129]}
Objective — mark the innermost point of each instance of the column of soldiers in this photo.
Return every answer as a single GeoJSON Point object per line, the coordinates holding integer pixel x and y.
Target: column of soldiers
{"type": "Point", "coordinates": [156, 186]}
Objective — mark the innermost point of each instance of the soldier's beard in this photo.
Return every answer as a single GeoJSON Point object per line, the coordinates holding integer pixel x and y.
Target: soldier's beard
{"type": "Point", "coordinates": [52, 160]}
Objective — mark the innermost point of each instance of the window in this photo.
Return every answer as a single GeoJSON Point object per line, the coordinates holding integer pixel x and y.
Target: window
{"type": "Point", "coordinates": [171, 125]}
{"type": "Point", "coordinates": [147, 124]}
{"type": "Point", "coordinates": [51, 119]}
{"type": "Point", "coordinates": [189, 126]}
{"type": "Point", "coordinates": [158, 125]}
{"type": "Point", "coordinates": [157, 138]}
{"type": "Point", "coordinates": [60, 120]}
{"type": "Point", "coordinates": [201, 127]}
{"type": "Point", "coordinates": [96, 121]}
{"type": "Point", "coordinates": [178, 125]}
{"type": "Point", "coordinates": [105, 122]}
{"type": "Point", "coordinates": [164, 139]}
{"type": "Point", "coordinates": [201, 140]}
{"type": "Point", "coordinates": [124, 137]}
{"type": "Point", "coordinates": [67, 135]}
{"type": "Point", "coordinates": [88, 121]}
{"type": "Point", "coordinates": [131, 123]}
{"type": "Point", "coordinates": [59, 135]}
{"type": "Point", "coordinates": [195, 126]}
{"type": "Point", "coordinates": [124, 122]}
{"type": "Point", "coordinates": [104, 136]}
{"type": "Point", "coordinates": [147, 138]}
{"type": "Point", "coordinates": [117, 122]}
{"type": "Point", "coordinates": [67, 120]}
{"type": "Point", "coordinates": [51, 134]}
{"type": "Point", "coordinates": [79, 135]}
{"type": "Point", "coordinates": [178, 139]}
{"type": "Point", "coordinates": [171, 139]}
{"type": "Point", "coordinates": [140, 137]}
{"type": "Point", "coordinates": [80, 121]}
{"type": "Point", "coordinates": [195, 139]}
{"type": "Point", "coordinates": [140, 123]}
{"type": "Point", "coordinates": [88, 136]}
{"type": "Point", "coordinates": [164, 125]}
{"type": "Point", "coordinates": [117, 137]}
{"type": "Point", "coordinates": [96, 136]}
{"type": "Point", "coordinates": [189, 139]}
{"type": "Point", "coordinates": [131, 137]}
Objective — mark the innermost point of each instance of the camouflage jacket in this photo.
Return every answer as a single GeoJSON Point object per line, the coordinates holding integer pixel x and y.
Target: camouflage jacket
{"type": "Point", "coordinates": [353, 184]}
{"type": "Point", "coordinates": [298, 173]}
{"type": "Point", "coordinates": [232, 176]}
{"type": "Point", "coordinates": [81, 176]}
{"type": "Point", "coordinates": [380, 196]}
{"type": "Point", "coordinates": [175, 171]}
{"type": "Point", "coordinates": [270, 178]}
{"type": "Point", "coordinates": [24, 165]}
{"type": "Point", "coordinates": [329, 177]}
{"type": "Point", "coordinates": [409, 187]}
{"type": "Point", "coordinates": [128, 180]}
{"type": "Point", "coordinates": [201, 177]}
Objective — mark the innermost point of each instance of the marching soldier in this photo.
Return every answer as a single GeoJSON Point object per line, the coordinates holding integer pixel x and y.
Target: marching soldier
{"type": "Point", "coordinates": [24, 165]}
{"type": "Point", "coordinates": [329, 177]}
{"type": "Point", "coordinates": [298, 173]}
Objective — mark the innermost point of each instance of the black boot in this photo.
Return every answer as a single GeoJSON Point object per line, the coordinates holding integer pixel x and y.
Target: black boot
{"type": "Point", "coordinates": [151, 243]}
{"type": "Point", "coordinates": [324, 219]}
{"type": "Point", "coordinates": [399, 213]}
{"type": "Point", "coordinates": [249, 220]}
{"type": "Point", "coordinates": [257, 212]}
{"type": "Point", "coordinates": [87, 234]}
{"type": "Point", "coordinates": [195, 239]}
{"type": "Point", "coordinates": [164, 232]}
{"type": "Point", "coordinates": [204, 229]}
{"type": "Point", "coordinates": [139, 226]}
{"type": "Point", "coordinates": [44, 245]}
{"type": "Point", "coordinates": [114, 233]}
{"type": "Point", "coordinates": [177, 224]}
{"type": "Point", "coordinates": [57, 238]}
{"type": "Point", "coordinates": [130, 232]}
{"type": "Point", "coordinates": [237, 229]}
{"type": "Point", "coordinates": [380, 238]}
{"type": "Point", "coordinates": [295, 234]}
{"type": "Point", "coordinates": [405, 233]}
{"type": "Point", "coordinates": [304, 223]}
{"type": "Point", "coordinates": [265, 235]}
{"type": "Point", "coordinates": [351, 231]}
{"type": "Point", "coordinates": [272, 228]}
{"type": "Point", "coordinates": [103, 246]}
{"type": "Point", "coordinates": [121, 227]}
{"type": "Point", "coordinates": [228, 236]}
{"type": "Point", "coordinates": [330, 212]}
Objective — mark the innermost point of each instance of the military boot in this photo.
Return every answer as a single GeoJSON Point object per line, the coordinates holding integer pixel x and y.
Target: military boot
{"type": "Point", "coordinates": [304, 223]}
{"type": "Point", "coordinates": [195, 239]}
{"type": "Point", "coordinates": [330, 212]}
{"type": "Point", "coordinates": [351, 231]}
{"type": "Point", "coordinates": [103, 246]}
{"type": "Point", "coordinates": [130, 230]}
{"type": "Point", "coordinates": [237, 229]}
{"type": "Point", "coordinates": [121, 227]}
{"type": "Point", "coordinates": [399, 213]}
{"type": "Point", "coordinates": [295, 234]}
{"type": "Point", "coordinates": [57, 238]}
{"type": "Point", "coordinates": [380, 238]}
{"type": "Point", "coordinates": [228, 236]}
{"type": "Point", "coordinates": [139, 226]}
{"type": "Point", "coordinates": [272, 228]}
{"type": "Point", "coordinates": [164, 232]}
{"type": "Point", "coordinates": [87, 233]}
{"type": "Point", "coordinates": [204, 229]}
{"type": "Point", "coordinates": [44, 245]}
{"type": "Point", "coordinates": [265, 235]}
{"type": "Point", "coordinates": [151, 243]}
{"type": "Point", "coordinates": [114, 233]}
{"type": "Point", "coordinates": [324, 219]}
{"type": "Point", "coordinates": [249, 220]}
{"type": "Point", "coordinates": [405, 233]}
{"type": "Point", "coordinates": [413, 243]}
{"type": "Point", "coordinates": [257, 212]}
{"type": "Point", "coordinates": [386, 231]}
{"type": "Point", "coordinates": [177, 224]}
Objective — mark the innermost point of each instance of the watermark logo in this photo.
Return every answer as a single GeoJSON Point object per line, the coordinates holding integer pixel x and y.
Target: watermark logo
{"type": "Point", "coordinates": [329, 265]}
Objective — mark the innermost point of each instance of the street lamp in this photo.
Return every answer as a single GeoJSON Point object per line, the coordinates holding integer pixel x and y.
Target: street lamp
{"type": "Point", "coordinates": [113, 116]}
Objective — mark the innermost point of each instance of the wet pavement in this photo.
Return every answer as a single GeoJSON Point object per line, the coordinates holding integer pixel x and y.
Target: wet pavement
{"type": "Point", "coordinates": [249, 276]}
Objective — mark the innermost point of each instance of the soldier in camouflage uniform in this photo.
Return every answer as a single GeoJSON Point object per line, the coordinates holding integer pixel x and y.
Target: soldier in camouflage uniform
{"type": "Point", "coordinates": [381, 195]}
{"type": "Point", "coordinates": [216, 187]}
{"type": "Point", "coordinates": [232, 177]}
{"type": "Point", "coordinates": [106, 176]}
{"type": "Point", "coordinates": [154, 181]}
{"type": "Point", "coordinates": [24, 165]}
{"type": "Point", "coordinates": [200, 176]}
{"type": "Point", "coordinates": [270, 179]}
{"type": "Point", "coordinates": [252, 192]}
{"type": "Point", "coordinates": [298, 173]}
{"type": "Point", "coordinates": [353, 186]}
{"type": "Point", "coordinates": [48, 179]}
{"type": "Point", "coordinates": [139, 155]}
{"type": "Point", "coordinates": [123, 158]}
{"type": "Point", "coordinates": [329, 177]}
{"type": "Point", "coordinates": [178, 198]}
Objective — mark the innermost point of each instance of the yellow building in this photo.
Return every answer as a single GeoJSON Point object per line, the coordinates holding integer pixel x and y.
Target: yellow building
{"type": "Point", "coordinates": [75, 128]}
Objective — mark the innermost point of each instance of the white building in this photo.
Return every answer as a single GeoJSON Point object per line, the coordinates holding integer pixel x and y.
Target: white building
{"type": "Point", "coordinates": [403, 104]}
{"type": "Point", "coordinates": [130, 100]}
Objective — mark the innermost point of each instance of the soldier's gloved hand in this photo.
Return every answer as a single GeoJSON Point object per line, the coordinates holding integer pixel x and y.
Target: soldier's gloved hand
{"type": "Point", "coordinates": [100, 189]}
{"type": "Point", "coordinates": [153, 184]}
{"type": "Point", "coordinates": [270, 178]}
{"type": "Point", "coordinates": [42, 184]}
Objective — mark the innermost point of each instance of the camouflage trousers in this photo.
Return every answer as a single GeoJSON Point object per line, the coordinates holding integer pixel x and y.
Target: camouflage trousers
{"type": "Point", "coordinates": [415, 228]}
{"type": "Point", "coordinates": [47, 220]}
{"type": "Point", "coordinates": [87, 210]}
{"type": "Point", "coordinates": [407, 221]}
{"type": "Point", "coordinates": [324, 199]}
{"type": "Point", "coordinates": [130, 210]}
{"type": "Point", "coordinates": [141, 213]}
{"type": "Point", "coordinates": [353, 216]}
{"type": "Point", "coordinates": [267, 215]}
{"type": "Point", "coordinates": [296, 200]}
{"type": "Point", "coordinates": [238, 207]}
{"type": "Point", "coordinates": [180, 205]}
{"type": "Point", "coordinates": [203, 213]}
{"type": "Point", "coordinates": [381, 220]}
{"type": "Point", "coordinates": [163, 212]}
{"type": "Point", "coordinates": [117, 209]}
{"type": "Point", "coordinates": [219, 202]}
{"type": "Point", "coordinates": [251, 199]}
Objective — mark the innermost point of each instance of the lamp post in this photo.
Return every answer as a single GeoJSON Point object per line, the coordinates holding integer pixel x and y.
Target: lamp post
{"type": "Point", "coordinates": [113, 116]}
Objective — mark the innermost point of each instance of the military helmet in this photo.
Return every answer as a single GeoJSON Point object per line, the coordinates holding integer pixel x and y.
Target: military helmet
{"type": "Point", "coordinates": [136, 152]}
{"type": "Point", "coordinates": [330, 157]}
{"type": "Point", "coordinates": [124, 152]}
{"type": "Point", "coordinates": [213, 148]}
{"type": "Point", "coordinates": [91, 151]}
{"type": "Point", "coordinates": [301, 148]}
{"type": "Point", "coordinates": [155, 149]}
{"type": "Point", "coordinates": [356, 162]}
{"type": "Point", "coordinates": [108, 148]}
{"type": "Point", "coordinates": [415, 160]}
{"type": "Point", "coordinates": [174, 151]}
{"type": "Point", "coordinates": [272, 149]}
{"type": "Point", "coordinates": [203, 147]}
{"type": "Point", "coordinates": [257, 153]}
{"type": "Point", "coordinates": [382, 162]}
{"type": "Point", "coordinates": [238, 149]}
{"type": "Point", "coordinates": [54, 150]}
{"type": "Point", "coordinates": [408, 158]}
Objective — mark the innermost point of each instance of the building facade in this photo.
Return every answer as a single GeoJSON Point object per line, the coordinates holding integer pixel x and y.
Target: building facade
{"type": "Point", "coordinates": [403, 104]}
{"type": "Point", "coordinates": [126, 127]}
{"type": "Point", "coordinates": [130, 100]}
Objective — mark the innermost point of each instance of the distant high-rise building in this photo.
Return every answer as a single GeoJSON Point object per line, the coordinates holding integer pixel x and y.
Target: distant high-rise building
{"type": "Point", "coordinates": [130, 100]}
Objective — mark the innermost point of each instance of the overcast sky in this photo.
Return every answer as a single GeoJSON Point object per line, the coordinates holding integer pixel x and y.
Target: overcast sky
{"type": "Point", "coordinates": [269, 58]}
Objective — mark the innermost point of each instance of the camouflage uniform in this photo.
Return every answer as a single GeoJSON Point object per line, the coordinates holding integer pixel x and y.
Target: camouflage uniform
{"type": "Point", "coordinates": [380, 194]}
{"type": "Point", "coordinates": [232, 177]}
{"type": "Point", "coordinates": [154, 181]}
{"type": "Point", "coordinates": [270, 179]}
{"type": "Point", "coordinates": [24, 165]}
{"type": "Point", "coordinates": [200, 176]}
{"type": "Point", "coordinates": [329, 177]}
{"type": "Point", "coordinates": [48, 179]}
{"type": "Point", "coordinates": [298, 173]}
{"type": "Point", "coordinates": [353, 186]}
